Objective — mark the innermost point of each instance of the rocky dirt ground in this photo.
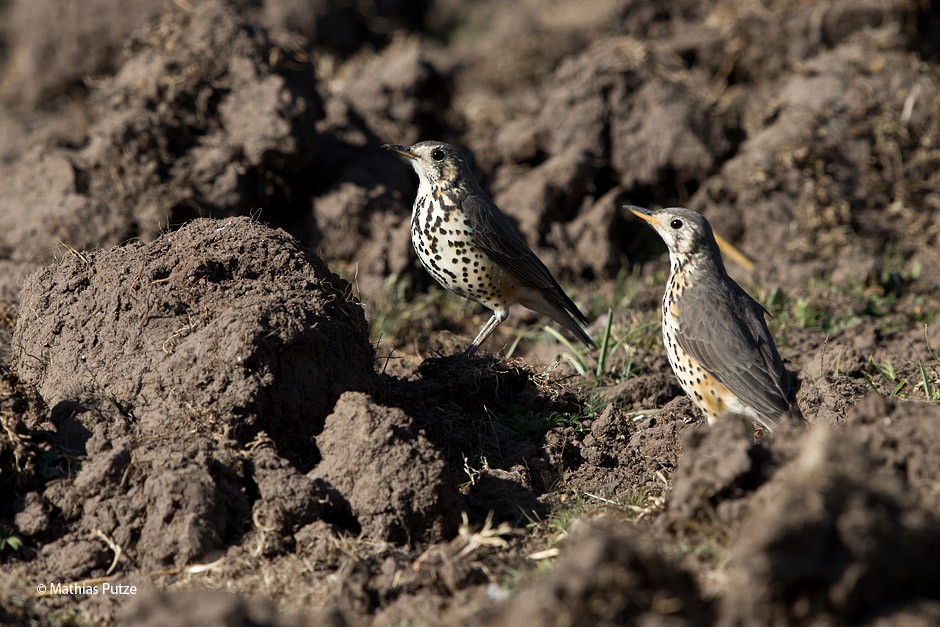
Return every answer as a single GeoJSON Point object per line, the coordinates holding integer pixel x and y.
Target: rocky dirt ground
{"type": "Point", "coordinates": [215, 382]}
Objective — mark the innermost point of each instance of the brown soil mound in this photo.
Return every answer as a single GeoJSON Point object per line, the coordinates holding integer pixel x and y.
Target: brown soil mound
{"type": "Point", "coordinates": [864, 543]}
{"type": "Point", "coordinates": [162, 361]}
{"type": "Point", "coordinates": [833, 524]}
{"type": "Point", "coordinates": [607, 574]}
{"type": "Point", "coordinates": [193, 130]}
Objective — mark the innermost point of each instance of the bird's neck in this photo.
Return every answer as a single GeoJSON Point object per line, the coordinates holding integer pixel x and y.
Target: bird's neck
{"type": "Point", "coordinates": [431, 202]}
{"type": "Point", "coordinates": [707, 259]}
{"type": "Point", "coordinates": [683, 265]}
{"type": "Point", "coordinates": [425, 189]}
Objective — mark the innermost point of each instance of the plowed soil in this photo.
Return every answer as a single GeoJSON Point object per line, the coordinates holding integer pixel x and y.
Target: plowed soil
{"type": "Point", "coordinates": [228, 391]}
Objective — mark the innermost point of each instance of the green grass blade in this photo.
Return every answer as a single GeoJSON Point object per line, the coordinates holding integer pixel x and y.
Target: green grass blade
{"type": "Point", "coordinates": [573, 357]}
{"type": "Point", "coordinates": [928, 389]}
{"type": "Point", "coordinates": [605, 345]}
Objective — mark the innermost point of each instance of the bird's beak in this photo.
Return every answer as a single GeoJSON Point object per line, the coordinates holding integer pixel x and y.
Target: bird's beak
{"type": "Point", "coordinates": [642, 213]}
{"type": "Point", "coordinates": [402, 151]}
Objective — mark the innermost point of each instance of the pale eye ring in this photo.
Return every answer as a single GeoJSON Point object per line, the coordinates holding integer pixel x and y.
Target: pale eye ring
{"type": "Point", "coordinates": [437, 154]}
{"type": "Point", "coordinates": [676, 224]}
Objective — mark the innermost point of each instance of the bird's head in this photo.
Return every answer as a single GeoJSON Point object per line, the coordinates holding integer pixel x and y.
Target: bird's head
{"type": "Point", "coordinates": [437, 163]}
{"type": "Point", "coordinates": [686, 233]}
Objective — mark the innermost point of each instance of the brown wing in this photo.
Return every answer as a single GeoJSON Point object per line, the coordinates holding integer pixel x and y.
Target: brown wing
{"type": "Point", "coordinates": [722, 327]}
{"type": "Point", "coordinates": [495, 235]}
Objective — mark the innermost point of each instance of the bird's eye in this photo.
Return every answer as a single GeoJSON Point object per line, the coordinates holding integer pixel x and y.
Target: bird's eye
{"type": "Point", "coordinates": [437, 154]}
{"type": "Point", "coordinates": [676, 224]}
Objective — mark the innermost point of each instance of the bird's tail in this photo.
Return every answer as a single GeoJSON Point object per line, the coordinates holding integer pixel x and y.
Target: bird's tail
{"type": "Point", "coordinates": [536, 301]}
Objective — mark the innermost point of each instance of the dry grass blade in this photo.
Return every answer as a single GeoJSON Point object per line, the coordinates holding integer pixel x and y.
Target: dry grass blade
{"type": "Point", "coordinates": [467, 542]}
{"type": "Point", "coordinates": [734, 254]}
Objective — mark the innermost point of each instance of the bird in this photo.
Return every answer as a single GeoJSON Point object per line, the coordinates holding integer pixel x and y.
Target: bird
{"type": "Point", "coordinates": [715, 334]}
{"type": "Point", "coordinates": [472, 249]}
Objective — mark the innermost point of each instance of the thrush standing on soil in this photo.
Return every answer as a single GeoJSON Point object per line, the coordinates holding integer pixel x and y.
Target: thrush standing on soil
{"type": "Point", "coordinates": [472, 249]}
{"type": "Point", "coordinates": [715, 335]}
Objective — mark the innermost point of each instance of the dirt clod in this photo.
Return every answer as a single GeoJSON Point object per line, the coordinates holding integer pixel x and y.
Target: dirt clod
{"type": "Point", "coordinates": [399, 489]}
{"type": "Point", "coordinates": [864, 542]}
{"type": "Point", "coordinates": [606, 575]}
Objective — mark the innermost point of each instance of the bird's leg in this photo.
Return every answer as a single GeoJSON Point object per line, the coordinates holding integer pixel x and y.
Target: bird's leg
{"type": "Point", "coordinates": [489, 327]}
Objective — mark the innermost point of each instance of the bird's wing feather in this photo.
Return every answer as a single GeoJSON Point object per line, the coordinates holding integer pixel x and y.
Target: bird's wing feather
{"type": "Point", "coordinates": [496, 236]}
{"type": "Point", "coordinates": [729, 337]}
